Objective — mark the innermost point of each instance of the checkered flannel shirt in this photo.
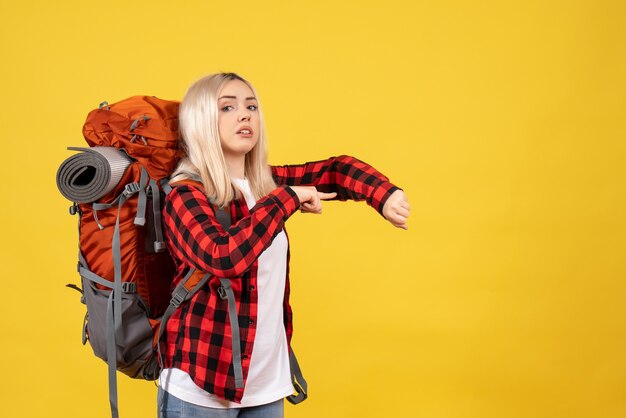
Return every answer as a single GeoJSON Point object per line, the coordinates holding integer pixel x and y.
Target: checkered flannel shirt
{"type": "Point", "coordinates": [197, 339]}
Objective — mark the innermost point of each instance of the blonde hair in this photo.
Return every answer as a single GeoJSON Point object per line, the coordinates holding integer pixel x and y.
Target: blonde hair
{"type": "Point", "coordinates": [203, 158]}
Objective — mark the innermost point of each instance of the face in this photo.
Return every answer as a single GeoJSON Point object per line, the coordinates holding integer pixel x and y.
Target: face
{"type": "Point", "coordinates": [237, 119]}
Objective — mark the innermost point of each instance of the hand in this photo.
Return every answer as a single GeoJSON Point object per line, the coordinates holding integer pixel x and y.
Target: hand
{"type": "Point", "coordinates": [397, 209]}
{"type": "Point", "coordinates": [311, 199]}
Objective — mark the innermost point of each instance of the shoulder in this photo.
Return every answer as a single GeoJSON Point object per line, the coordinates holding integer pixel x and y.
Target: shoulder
{"type": "Point", "coordinates": [186, 195]}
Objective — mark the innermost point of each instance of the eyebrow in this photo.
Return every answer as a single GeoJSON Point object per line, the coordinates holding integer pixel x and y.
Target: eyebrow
{"type": "Point", "coordinates": [234, 97]}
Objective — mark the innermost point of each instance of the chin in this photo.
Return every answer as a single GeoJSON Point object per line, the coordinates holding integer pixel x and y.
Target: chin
{"type": "Point", "coordinates": [244, 150]}
{"type": "Point", "coordinates": [250, 147]}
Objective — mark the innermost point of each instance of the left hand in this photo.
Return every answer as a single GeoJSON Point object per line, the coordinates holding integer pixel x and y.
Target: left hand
{"type": "Point", "coordinates": [397, 209]}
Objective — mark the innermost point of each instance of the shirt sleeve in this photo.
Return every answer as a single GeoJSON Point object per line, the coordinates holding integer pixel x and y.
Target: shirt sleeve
{"type": "Point", "coordinates": [196, 237]}
{"type": "Point", "coordinates": [349, 177]}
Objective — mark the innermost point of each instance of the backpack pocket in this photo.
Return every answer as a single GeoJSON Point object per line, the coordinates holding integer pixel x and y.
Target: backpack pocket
{"type": "Point", "coordinates": [135, 356]}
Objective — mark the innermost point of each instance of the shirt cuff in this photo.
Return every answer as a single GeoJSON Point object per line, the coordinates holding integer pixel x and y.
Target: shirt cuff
{"type": "Point", "coordinates": [381, 194]}
{"type": "Point", "coordinates": [286, 199]}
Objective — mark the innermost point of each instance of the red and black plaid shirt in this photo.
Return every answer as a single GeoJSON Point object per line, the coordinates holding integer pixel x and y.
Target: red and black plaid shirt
{"type": "Point", "coordinates": [198, 338]}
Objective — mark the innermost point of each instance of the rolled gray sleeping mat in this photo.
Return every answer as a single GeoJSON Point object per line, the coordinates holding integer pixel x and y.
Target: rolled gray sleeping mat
{"type": "Point", "coordinates": [87, 176]}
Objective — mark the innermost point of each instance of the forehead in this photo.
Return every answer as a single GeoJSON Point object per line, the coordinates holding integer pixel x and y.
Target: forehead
{"type": "Point", "coordinates": [236, 88]}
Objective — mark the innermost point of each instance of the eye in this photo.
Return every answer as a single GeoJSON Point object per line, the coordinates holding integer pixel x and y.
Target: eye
{"type": "Point", "coordinates": [252, 107]}
{"type": "Point", "coordinates": [226, 108]}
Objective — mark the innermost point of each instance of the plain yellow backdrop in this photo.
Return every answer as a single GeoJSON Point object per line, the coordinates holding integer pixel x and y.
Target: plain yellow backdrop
{"type": "Point", "coordinates": [502, 120]}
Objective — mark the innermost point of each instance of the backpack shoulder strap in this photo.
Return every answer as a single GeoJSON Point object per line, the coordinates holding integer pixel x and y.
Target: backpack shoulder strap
{"type": "Point", "coordinates": [188, 182]}
{"type": "Point", "coordinates": [194, 279]}
{"type": "Point", "coordinates": [222, 214]}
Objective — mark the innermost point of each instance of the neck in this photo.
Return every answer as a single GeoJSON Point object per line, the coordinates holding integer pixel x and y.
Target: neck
{"type": "Point", "coordinates": [236, 165]}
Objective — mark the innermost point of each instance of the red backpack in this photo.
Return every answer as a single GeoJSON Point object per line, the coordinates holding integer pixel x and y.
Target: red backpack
{"type": "Point", "coordinates": [118, 185]}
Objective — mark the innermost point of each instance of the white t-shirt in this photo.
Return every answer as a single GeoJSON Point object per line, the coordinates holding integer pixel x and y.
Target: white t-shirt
{"type": "Point", "coordinates": [268, 377]}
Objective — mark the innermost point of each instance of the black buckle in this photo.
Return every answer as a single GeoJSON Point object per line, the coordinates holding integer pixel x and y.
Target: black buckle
{"type": "Point", "coordinates": [129, 287]}
{"type": "Point", "coordinates": [74, 209]}
{"type": "Point", "coordinates": [222, 292]}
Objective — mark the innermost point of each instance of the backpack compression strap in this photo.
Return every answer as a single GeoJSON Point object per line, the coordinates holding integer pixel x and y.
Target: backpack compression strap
{"type": "Point", "coordinates": [297, 380]}
{"type": "Point", "coordinates": [146, 183]}
{"type": "Point", "coordinates": [114, 329]}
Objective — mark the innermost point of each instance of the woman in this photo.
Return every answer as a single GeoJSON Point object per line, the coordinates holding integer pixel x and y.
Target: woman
{"type": "Point", "coordinates": [225, 149]}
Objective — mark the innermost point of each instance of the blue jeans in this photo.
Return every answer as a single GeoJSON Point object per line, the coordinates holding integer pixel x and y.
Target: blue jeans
{"type": "Point", "coordinates": [170, 406]}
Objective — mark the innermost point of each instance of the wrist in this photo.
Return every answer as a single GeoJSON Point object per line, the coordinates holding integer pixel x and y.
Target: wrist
{"type": "Point", "coordinates": [287, 200]}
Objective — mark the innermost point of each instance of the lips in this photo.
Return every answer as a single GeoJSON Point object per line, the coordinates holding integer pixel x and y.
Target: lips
{"type": "Point", "coordinates": [245, 130]}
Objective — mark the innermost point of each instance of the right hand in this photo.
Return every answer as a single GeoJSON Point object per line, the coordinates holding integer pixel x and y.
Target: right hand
{"type": "Point", "coordinates": [311, 199]}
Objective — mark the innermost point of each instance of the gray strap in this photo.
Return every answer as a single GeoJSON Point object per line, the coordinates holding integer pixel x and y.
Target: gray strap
{"type": "Point", "coordinates": [223, 217]}
{"type": "Point", "coordinates": [127, 287]}
{"type": "Point", "coordinates": [165, 185]}
{"type": "Point", "coordinates": [117, 282]}
{"type": "Point", "coordinates": [136, 122]}
{"type": "Point", "coordinates": [134, 125]}
{"type": "Point", "coordinates": [297, 379]}
{"type": "Point", "coordinates": [159, 244]}
{"type": "Point", "coordinates": [84, 340]}
{"type": "Point", "coordinates": [95, 217]}
{"type": "Point", "coordinates": [115, 332]}
{"type": "Point", "coordinates": [179, 296]}
{"type": "Point", "coordinates": [143, 139]}
{"type": "Point", "coordinates": [101, 206]}
{"type": "Point", "coordinates": [234, 329]}
{"type": "Point", "coordinates": [221, 214]}
{"type": "Point", "coordinates": [111, 357]}
{"type": "Point", "coordinates": [81, 262]}
{"type": "Point", "coordinates": [91, 276]}
{"type": "Point", "coordinates": [140, 219]}
{"type": "Point", "coordinates": [81, 259]}
{"type": "Point", "coordinates": [130, 190]}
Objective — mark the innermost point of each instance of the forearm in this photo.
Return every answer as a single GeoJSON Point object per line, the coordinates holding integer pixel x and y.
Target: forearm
{"type": "Point", "coordinates": [196, 237]}
{"type": "Point", "coordinates": [349, 177]}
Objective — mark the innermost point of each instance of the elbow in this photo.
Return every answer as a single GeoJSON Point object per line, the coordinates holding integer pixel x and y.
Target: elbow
{"type": "Point", "coordinates": [231, 271]}
{"type": "Point", "coordinates": [221, 262]}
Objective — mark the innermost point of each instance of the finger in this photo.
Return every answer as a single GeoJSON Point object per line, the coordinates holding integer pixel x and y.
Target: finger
{"type": "Point", "coordinates": [315, 207]}
{"type": "Point", "coordinates": [326, 196]}
{"type": "Point", "coordinates": [312, 208]}
{"type": "Point", "coordinates": [403, 202]}
{"type": "Point", "coordinates": [311, 211]}
{"type": "Point", "coordinates": [397, 219]}
{"type": "Point", "coordinates": [402, 212]}
{"type": "Point", "coordinates": [402, 225]}
{"type": "Point", "coordinates": [316, 212]}
{"type": "Point", "coordinates": [315, 201]}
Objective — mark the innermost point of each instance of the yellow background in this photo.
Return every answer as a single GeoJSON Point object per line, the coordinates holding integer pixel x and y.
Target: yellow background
{"type": "Point", "coordinates": [503, 122]}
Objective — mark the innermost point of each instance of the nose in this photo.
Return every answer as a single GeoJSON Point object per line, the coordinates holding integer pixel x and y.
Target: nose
{"type": "Point", "coordinates": [244, 115]}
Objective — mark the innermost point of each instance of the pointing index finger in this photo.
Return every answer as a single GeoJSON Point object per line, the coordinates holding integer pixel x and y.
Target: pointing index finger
{"type": "Point", "coordinates": [326, 196]}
